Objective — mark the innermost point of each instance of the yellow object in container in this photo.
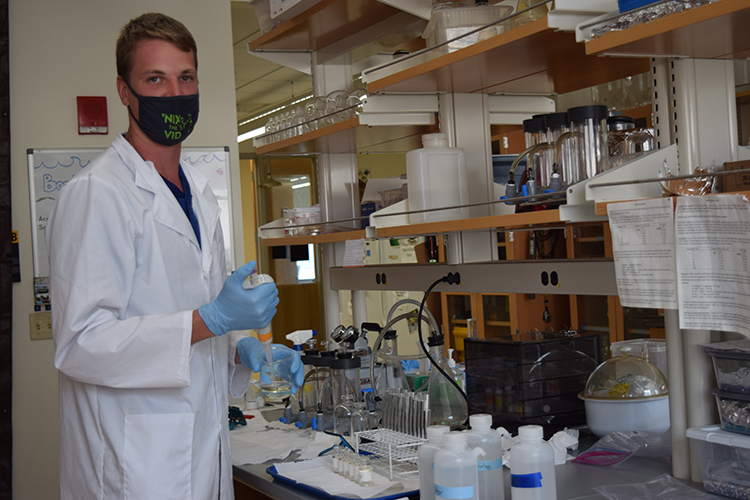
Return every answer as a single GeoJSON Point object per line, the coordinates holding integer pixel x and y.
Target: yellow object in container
{"type": "Point", "coordinates": [459, 334]}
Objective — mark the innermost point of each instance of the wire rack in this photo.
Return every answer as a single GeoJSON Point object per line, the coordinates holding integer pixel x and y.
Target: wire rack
{"type": "Point", "coordinates": [394, 453]}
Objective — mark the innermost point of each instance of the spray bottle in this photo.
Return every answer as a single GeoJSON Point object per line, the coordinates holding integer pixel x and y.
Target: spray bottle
{"type": "Point", "coordinates": [265, 335]}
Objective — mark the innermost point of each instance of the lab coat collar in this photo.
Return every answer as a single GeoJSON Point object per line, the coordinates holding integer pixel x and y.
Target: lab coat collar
{"type": "Point", "coordinates": [166, 209]}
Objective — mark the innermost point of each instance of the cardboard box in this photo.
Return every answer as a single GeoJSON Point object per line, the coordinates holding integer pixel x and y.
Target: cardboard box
{"type": "Point", "coordinates": [735, 182]}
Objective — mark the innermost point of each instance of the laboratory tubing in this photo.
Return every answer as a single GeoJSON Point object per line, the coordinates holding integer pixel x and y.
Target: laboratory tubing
{"type": "Point", "coordinates": [532, 466]}
{"type": "Point", "coordinates": [391, 372]}
{"type": "Point", "coordinates": [436, 177]}
{"type": "Point", "coordinates": [455, 463]}
{"type": "Point", "coordinates": [426, 454]}
{"type": "Point", "coordinates": [447, 403]}
{"type": "Point", "coordinates": [489, 463]}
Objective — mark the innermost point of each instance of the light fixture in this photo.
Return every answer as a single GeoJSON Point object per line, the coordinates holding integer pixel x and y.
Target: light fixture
{"type": "Point", "coordinates": [298, 186]}
{"type": "Point", "coordinates": [249, 135]}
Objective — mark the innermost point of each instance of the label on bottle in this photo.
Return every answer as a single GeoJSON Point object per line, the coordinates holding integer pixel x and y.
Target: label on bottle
{"type": "Point", "coordinates": [454, 492]}
{"type": "Point", "coordinates": [488, 465]}
{"type": "Point", "coordinates": [533, 480]}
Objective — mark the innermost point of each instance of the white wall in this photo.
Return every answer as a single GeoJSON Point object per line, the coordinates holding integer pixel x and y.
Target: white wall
{"type": "Point", "coordinates": [60, 50]}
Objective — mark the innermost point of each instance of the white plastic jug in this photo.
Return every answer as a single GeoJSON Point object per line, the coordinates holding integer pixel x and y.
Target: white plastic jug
{"type": "Point", "coordinates": [532, 466]}
{"type": "Point", "coordinates": [427, 452]}
{"type": "Point", "coordinates": [456, 469]}
{"type": "Point", "coordinates": [436, 176]}
{"type": "Point", "coordinates": [490, 463]}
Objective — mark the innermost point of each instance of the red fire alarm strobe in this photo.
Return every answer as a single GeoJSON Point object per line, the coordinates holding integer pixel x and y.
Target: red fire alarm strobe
{"type": "Point", "coordinates": [92, 115]}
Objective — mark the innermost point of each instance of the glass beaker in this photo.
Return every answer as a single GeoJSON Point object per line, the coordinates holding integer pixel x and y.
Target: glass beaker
{"type": "Point", "coordinates": [276, 389]}
{"type": "Point", "coordinates": [588, 124]}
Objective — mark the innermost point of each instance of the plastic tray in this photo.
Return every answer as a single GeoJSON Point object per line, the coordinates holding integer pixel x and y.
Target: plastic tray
{"type": "Point", "coordinates": [316, 491]}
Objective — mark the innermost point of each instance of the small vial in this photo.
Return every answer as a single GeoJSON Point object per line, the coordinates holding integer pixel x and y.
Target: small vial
{"type": "Point", "coordinates": [353, 469]}
{"type": "Point", "coordinates": [365, 476]}
{"type": "Point", "coordinates": [335, 459]}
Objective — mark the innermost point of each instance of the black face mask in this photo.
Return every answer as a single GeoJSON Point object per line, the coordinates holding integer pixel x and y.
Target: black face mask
{"type": "Point", "coordinates": [166, 120]}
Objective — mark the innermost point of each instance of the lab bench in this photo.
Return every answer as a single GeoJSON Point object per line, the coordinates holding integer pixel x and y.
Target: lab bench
{"type": "Point", "coordinates": [574, 481]}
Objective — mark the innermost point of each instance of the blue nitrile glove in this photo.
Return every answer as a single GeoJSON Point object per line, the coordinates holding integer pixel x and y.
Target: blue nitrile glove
{"type": "Point", "coordinates": [250, 350]}
{"type": "Point", "coordinates": [239, 309]}
{"type": "Point", "coordinates": [410, 365]}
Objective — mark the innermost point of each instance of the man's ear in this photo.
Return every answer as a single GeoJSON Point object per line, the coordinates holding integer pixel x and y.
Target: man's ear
{"type": "Point", "coordinates": [122, 91]}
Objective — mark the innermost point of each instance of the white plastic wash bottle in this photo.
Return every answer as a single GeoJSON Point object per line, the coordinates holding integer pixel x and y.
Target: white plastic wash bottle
{"type": "Point", "coordinates": [436, 177]}
{"type": "Point", "coordinates": [427, 452]}
{"type": "Point", "coordinates": [490, 463]}
{"type": "Point", "coordinates": [532, 466]}
{"type": "Point", "coordinates": [456, 469]}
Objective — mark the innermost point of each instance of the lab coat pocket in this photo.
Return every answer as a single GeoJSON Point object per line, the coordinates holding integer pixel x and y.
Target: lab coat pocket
{"type": "Point", "coordinates": [157, 456]}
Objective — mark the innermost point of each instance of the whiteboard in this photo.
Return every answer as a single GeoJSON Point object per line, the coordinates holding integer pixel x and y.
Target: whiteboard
{"type": "Point", "coordinates": [51, 169]}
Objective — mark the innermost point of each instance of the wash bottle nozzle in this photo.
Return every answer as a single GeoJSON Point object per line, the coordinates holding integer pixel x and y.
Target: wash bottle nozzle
{"type": "Point", "coordinates": [300, 337]}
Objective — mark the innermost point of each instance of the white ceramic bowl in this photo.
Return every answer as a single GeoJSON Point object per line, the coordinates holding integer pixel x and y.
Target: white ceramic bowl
{"type": "Point", "coordinates": [623, 415]}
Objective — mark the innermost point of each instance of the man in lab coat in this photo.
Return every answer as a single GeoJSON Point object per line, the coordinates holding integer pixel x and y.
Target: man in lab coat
{"type": "Point", "coordinates": [144, 318]}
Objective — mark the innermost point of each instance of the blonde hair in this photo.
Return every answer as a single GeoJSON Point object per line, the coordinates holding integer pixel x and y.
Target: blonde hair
{"type": "Point", "coordinates": [151, 26]}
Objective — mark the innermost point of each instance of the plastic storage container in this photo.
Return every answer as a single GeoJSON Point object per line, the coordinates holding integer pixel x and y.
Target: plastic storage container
{"type": "Point", "coordinates": [426, 454]}
{"type": "Point", "coordinates": [724, 460]}
{"type": "Point", "coordinates": [731, 365]}
{"type": "Point", "coordinates": [448, 24]}
{"type": "Point", "coordinates": [436, 177]}
{"type": "Point", "coordinates": [532, 466]}
{"type": "Point", "coordinates": [734, 411]}
{"type": "Point", "coordinates": [626, 393]}
{"type": "Point", "coordinates": [490, 463]}
{"type": "Point", "coordinates": [456, 469]}
{"type": "Point", "coordinates": [531, 382]}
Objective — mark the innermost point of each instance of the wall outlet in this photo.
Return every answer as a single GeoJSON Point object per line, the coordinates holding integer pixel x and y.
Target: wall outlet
{"type": "Point", "coordinates": [40, 325]}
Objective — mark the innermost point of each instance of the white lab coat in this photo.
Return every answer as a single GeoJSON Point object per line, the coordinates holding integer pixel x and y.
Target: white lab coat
{"type": "Point", "coordinates": [143, 414]}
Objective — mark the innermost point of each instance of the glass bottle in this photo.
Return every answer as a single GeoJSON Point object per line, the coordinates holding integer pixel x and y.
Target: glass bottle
{"type": "Point", "coordinates": [447, 403]}
{"type": "Point", "coordinates": [342, 415]}
{"type": "Point", "coordinates": [531, 15]}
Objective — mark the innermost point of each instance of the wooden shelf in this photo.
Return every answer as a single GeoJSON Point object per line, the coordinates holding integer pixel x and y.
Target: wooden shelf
{"type": "Point", "coordinates": [713, 31]}
{"type": "Point", "coordinates": [355, 234]}
{"type": "Point", "coordinates": [531, 58]}
{"type": "Point", "coordinates": [334, 27]}
{"type": "Point", "coordinates": [509, 221]}
{"type": "Point", "coordinates": [349, 136]}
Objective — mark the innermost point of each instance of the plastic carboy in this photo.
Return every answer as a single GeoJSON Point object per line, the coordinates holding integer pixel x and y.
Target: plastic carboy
{"type": "Point", "coordinates": [436, 177]}
{"type": "Point", "coordinates": [447, 403]}
{"type": "Point", "coordinates": [489, 463]}
{"type": "Point", "coordinates": [456, 469]}
{"type": "Point", "coordinates": [532, 466]}
{"type": "Point", "coordinates": [427, 452]}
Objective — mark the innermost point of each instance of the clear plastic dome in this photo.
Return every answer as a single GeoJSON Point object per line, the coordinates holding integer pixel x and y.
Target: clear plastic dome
{"type": "Point", "coordinates": [625, 377]}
